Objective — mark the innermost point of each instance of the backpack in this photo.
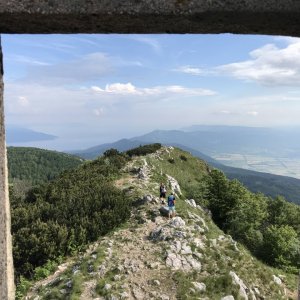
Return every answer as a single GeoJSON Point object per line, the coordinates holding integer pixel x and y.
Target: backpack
{"type": "Point", "coordinates": [171, 199]}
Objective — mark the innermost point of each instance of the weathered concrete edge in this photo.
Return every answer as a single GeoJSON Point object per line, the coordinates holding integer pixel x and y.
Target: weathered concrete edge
{"type": "Point", "coordinates": [271, 23]}
{"type": "Point", "coordinates": [7, 288]}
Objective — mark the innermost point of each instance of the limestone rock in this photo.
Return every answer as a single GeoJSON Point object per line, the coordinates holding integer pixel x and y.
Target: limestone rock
{"type": "Point", "coordinates": [199, 286]}
{"type": "Point", "coordinates": [186, 249]}
{"type": "Point", "coordinates": [182, 262]}
{"type": "Point", "coordinates": [174, 185]}
{"type": "Point", "coordinates": [147, 198]}
{"type": "Point", "coordinates": [161, 234]}
{"type": "Point", "coordinates": [230, 297]}
{"type": "Point", "coordinates": [243, 288]}
{"type": "Point", "coordinates": [69, 284]}
{"type": "Point", "coordinates": [199, 243]}
{"type": "Point", "coordinates": [156, 282]}
{"type": "Point", "coordinates": [277, 280]}
{"type": "Point", "coordinates": [164, 210]}
{"type": "Point", "coordinates": [191, 202]}
{"type": "Point", "coordinates": [177, 222]}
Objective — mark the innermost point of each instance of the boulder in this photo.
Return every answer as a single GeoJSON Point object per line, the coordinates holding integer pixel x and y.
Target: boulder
{"type": "Point", "coordinates": [177, 222]}
{"type": "Point", "coordinates": [164, 210]}
{"type": "Point", "coordinates": [277, 280]}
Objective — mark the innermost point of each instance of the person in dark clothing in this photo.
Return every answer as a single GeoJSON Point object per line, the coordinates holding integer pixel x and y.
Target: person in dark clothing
{"type": "Point", "coordinates": [162, 192]}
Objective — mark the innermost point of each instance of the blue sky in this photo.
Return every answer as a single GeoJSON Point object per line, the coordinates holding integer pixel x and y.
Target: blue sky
{"type": "Point", "coordinates": [92, 89]}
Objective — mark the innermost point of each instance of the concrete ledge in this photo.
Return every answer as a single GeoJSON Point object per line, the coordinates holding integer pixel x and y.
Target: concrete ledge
{"type": "Point", "coordinates": [280, 17]}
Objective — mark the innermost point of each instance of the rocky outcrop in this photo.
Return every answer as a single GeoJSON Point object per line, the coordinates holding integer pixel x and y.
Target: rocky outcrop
{"type": "Point", "coordinates": [174, 185]}
{"type": "Point", "coordinates": [237, 281]}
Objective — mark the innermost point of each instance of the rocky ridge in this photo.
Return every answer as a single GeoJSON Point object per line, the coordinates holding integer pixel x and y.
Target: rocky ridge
{"type": "Point", "coordinates": [154, 257]}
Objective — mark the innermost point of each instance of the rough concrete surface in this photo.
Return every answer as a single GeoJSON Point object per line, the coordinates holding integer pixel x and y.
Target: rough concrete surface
{"type": "Point", "coordinates": [6, 263]}
{"type": "Point", "coordinates": [279, 17]}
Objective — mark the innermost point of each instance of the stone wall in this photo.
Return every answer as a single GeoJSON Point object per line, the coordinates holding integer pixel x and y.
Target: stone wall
{"type": "Point", "coordinates": [6, 264]}
{"type": "Point", "coordinates": [279, 17]}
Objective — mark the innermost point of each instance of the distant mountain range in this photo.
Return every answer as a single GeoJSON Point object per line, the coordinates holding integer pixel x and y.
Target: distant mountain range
{"type": "Point", "coordinates": [234, 139]}
{"type": "Point", "coordinates": [16, 135]}
{"type": "Point", "coordinates": [269, 184]}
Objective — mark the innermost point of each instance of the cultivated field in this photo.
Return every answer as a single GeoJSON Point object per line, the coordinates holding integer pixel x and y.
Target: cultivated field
{"type": "Point", "coordinates": [275, 165]}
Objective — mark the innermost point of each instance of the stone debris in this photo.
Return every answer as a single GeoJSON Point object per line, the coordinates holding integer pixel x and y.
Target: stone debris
{"type": "Point", "coordinates": [138, 294]}
{"type": "Point", "coordinates": [182, 262]}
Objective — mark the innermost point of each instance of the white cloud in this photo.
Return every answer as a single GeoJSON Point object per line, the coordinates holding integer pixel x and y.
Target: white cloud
{"type": "Point", "coordinates": [26, 60]}
{"type": "Point", "coordinates": [189, 70]}
{"type": "Point", "coordinates": [130, 89]}
{"type": "Point", "coordinates": [23, 101]}
{"type": "Point", "coordinates": [226, 112]}
{"type": "Point", "coordinates": [98, 112]}
{"type": "Point", "coordinates": [269, 65]}
{"type": "Point", "coordinates": [252, 113]}
{"type": "Point", "coordinates": [121, 88]}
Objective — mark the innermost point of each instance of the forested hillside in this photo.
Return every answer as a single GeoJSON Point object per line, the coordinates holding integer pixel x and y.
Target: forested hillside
{"type": "Point", "coordinates": [38, 165]}
{"type": "Point", "coordinates": [64, 215]}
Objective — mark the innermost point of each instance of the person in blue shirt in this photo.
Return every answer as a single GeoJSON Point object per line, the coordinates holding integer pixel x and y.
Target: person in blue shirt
{"type": "Point", "coordinates": [171, 205]}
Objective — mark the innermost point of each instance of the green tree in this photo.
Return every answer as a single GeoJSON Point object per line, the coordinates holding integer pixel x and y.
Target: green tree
{"type": "Point", "coordinates": [281, 246]}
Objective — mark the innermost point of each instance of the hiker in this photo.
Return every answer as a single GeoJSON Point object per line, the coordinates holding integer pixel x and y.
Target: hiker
{"type": "Point", "coordinates": [162, 191]}
{"type": "Point", "coordinates": [171, 205]}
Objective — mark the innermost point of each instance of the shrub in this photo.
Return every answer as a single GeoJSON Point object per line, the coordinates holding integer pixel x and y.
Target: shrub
{"type": "Point", "coordinates": [64, 216]}
{"type": "Point", "coordinates": [171, 160]}
{"type": "Point", "coordinates": [143, 150]}
{"type": "Point", "coordinates": [183, 157]}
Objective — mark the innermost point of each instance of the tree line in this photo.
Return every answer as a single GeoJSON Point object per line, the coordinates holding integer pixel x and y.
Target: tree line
{"type": "Point", "coordinates": [269, 228]}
